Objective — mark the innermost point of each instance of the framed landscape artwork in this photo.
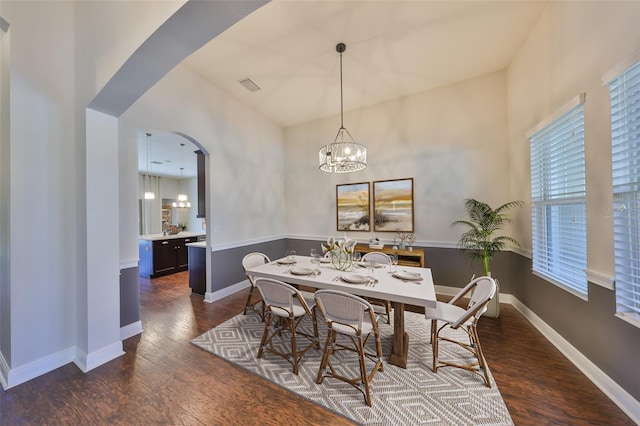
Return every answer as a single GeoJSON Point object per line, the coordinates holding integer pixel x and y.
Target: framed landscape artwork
{"type": "Point", "coordinates": [353, 207]}
{"type": "Point", "coordinates": [393, 205]}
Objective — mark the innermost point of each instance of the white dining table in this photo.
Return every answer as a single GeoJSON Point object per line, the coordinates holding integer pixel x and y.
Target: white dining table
{"type": "Point", "coordinates": [400, 292]}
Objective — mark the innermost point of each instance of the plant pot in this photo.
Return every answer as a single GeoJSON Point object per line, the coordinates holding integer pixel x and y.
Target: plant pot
{"type": "Point", "coordinates": [493, 307]}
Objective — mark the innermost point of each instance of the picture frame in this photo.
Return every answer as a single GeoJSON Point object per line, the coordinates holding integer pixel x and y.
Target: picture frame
{"type": "Point", "coordinates": [393, 205]}
{"type": "Point", "coordinates": [353, 207]}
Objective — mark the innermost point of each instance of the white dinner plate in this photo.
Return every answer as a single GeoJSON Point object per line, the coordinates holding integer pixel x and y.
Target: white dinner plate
{"type": "Point", "coordinates": [302, 271]}
{"type": "Point", "coordinates": [364, 265]}
{"type": "Point", "coordinates": [354, 278]}
{"type": "Point", "coordinates": [405, 275]}
{"type": "Point", "coordinates": [286, 261]}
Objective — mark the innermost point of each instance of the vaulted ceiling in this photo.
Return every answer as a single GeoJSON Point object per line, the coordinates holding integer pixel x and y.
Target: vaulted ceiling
{"type": "Point", "coordinates": [395, 48]}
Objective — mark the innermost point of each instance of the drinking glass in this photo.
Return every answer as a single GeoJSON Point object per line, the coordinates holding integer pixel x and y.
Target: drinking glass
{"type": "Point", "coordinates": [315, 260]}
{"type": "Point", "coordinates": [371, 264]}
{"type": "Point", "coordinates": [291, 256]}
{"type": "Point", "coordinates": [357, 256]}
{"type": "Point", "coordinates": [394, 261]}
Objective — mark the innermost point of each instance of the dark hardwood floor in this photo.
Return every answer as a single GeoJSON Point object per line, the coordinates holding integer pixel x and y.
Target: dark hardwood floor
{"type": "Point", "coordinates": [164, 379]}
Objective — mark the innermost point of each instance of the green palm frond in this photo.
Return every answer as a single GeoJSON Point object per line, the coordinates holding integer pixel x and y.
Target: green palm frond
{"type": "Point", "coordinates": [484, 221]}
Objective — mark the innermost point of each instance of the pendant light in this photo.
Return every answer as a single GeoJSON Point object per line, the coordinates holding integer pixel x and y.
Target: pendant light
{"type": "Point", "coordinates": [183, 200]}
{"type": "Point", "coordinates": [344, 155]}
{"type": "Point", "coordinates": [148, 194]}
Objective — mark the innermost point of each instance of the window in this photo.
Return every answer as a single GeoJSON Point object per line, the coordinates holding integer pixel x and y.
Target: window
{"type": "Point", "coordinates": [558, 198]}
{"type": "Point", "coordinates": [625, 155]}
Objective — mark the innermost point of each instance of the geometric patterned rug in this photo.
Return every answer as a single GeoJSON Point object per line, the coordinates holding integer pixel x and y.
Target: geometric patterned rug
{"type": "Point", "coordinates": [411, 396]}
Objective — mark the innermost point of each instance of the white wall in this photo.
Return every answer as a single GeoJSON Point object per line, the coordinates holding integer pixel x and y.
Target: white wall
{"type": "Point", "coordinates": [451, 140]}
{"type": "Point", "coordinates": [5, 191]}
{"type": "Point", "coordinates": [246, 158]}
{"type": "Point", "coordinates": [571, 47]}
{"type": "Point", "coordinates": [42, 194]}
{"type": "Point", "coordinates": [61, 55]}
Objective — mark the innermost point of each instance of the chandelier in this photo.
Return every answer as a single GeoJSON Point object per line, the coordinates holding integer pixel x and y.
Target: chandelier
{"type": "Point", "coordinates": [344, 155]}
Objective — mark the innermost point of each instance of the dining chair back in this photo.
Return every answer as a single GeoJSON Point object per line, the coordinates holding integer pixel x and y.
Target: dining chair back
{"type": "Point", "coordinates": [249, 261]}
{"type": "Point", "coordinates": [286, 307]}
{"type": "Point", "coordinates": [449, 315]}
{"type": "Point", "coordinates": [382, 307]}
{"type": "Point", "coordinates": [351, 316]}
{"type": "Point", "coordinates": [377, 257]}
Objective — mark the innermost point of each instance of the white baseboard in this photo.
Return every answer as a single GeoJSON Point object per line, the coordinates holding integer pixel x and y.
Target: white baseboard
{"type": "Point", "coordinates": [227, 291]}
{"type": "Point", "coordinates": [17, 376]}
{"type": "Point", "coordinates": [606, 384]}
{"type": "Point", "coordinates": [87, 362]}
{"type": "Point", "coordinates": [131, 330]}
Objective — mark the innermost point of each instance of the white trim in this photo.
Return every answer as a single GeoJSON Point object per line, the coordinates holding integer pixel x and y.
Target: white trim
{"type": "Point", "coordinates": [615, 72]}
{"type": "Point", "coordinates": [22, 374]}
{"type": "Point", "coordinates": [131, 330]}
{"type": "Point", "coordinates": [627, 318]}
{"type": "Point", "coordinates": [422, 243]}
{"type": "Point", "coordinates": [522, 252]}
{"type": "Point", "coordinates": [614, 391]}
{"type": "Point", "coordinates": [237, 244]}
{"type": "Point", "coordinates": [574, 102]}
{"type": "Point", "coordinates": [560, 285]}
{"type": "Point", "coordinates": [227, 291]}
{"type": "Point", "coordinates": [601, 279]}
{"type": "Point", "coordinates": [87, 362]}
{"type": "Point", "coordinates": [127, 264]}
{"type": "Point", "coordinates": [434, 244]}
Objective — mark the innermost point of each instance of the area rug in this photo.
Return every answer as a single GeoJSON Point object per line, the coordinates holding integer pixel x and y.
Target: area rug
{"type": "Point", "coordinates": [410, 396]}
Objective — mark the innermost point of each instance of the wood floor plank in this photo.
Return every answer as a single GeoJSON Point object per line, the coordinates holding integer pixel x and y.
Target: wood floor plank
{"type": "Point", "coordinates": [164, 379]}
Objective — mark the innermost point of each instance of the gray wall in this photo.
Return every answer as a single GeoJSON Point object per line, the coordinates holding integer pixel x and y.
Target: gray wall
{"type": "Point", "coordinates": [226, 265]}
{"type": "Point", "coordinates": [129, 296]}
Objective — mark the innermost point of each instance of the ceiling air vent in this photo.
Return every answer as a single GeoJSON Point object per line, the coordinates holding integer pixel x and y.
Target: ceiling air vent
{"type": "Point", "coordinates": [249, 85]}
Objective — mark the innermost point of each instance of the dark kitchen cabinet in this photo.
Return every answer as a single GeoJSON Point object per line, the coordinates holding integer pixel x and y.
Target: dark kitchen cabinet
{"type": "Point", "coordinates": [163, 257]}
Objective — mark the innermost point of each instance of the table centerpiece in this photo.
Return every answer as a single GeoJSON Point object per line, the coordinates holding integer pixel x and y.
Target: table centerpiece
{"type": "Point", "coordinates": [341, 252]}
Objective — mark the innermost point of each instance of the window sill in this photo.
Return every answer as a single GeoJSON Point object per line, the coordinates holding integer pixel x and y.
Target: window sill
{"type": "Point", "coordinates": [562, 286]}
{"type": "Point", "coordinates": [634, 320]}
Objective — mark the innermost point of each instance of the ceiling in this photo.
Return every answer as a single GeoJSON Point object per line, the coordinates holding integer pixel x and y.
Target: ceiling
{"type": "Point", "coordinates": [395, 48]}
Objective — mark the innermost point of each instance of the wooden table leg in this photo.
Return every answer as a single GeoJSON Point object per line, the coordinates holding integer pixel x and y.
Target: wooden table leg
{"type": "Point", "coordinates": [400, 350]}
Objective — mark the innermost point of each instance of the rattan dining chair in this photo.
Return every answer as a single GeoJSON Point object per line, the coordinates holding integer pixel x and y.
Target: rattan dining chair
{"type": "Point", "coordinates": [286, 307]}
{"type": "Point", "coordinates": [249, 261]}
{"type": "Point", "coordinates": [381, 307]}
{"type": "Point", "coordinates": [482, 289]}
{"type": "Point", "coordinates": [353, 317]}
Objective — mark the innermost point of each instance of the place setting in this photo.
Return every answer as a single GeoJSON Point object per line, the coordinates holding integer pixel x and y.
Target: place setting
{"type": "Point", "coordinates": [289, 260]}
{"type": "Point", "coordinates": [407, 276]}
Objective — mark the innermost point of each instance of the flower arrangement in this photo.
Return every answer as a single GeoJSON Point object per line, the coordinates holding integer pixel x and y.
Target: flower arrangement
{"type": "Point", "coordinates": [405, 239]}
{"type": "Point", "coordinates": [344, 245]}
{"type": "Point", "coordinates": [341, 252]}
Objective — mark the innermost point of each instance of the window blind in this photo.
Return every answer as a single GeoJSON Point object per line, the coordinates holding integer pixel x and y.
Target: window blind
{"type": "Point", "coordinates": [558, 199]}
{"type": "Point", "coordinates": [625, 155]}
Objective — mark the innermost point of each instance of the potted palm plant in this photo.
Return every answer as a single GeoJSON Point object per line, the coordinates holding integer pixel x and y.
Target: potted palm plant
{"type": "Point", "coordinates": [480, 241]}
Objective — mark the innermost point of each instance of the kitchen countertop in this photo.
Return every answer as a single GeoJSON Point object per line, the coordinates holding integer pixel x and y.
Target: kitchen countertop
{"type": "Point", "coordinates": [183, 234]}
{"type": "Point", "coordinates": [200, 244]}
